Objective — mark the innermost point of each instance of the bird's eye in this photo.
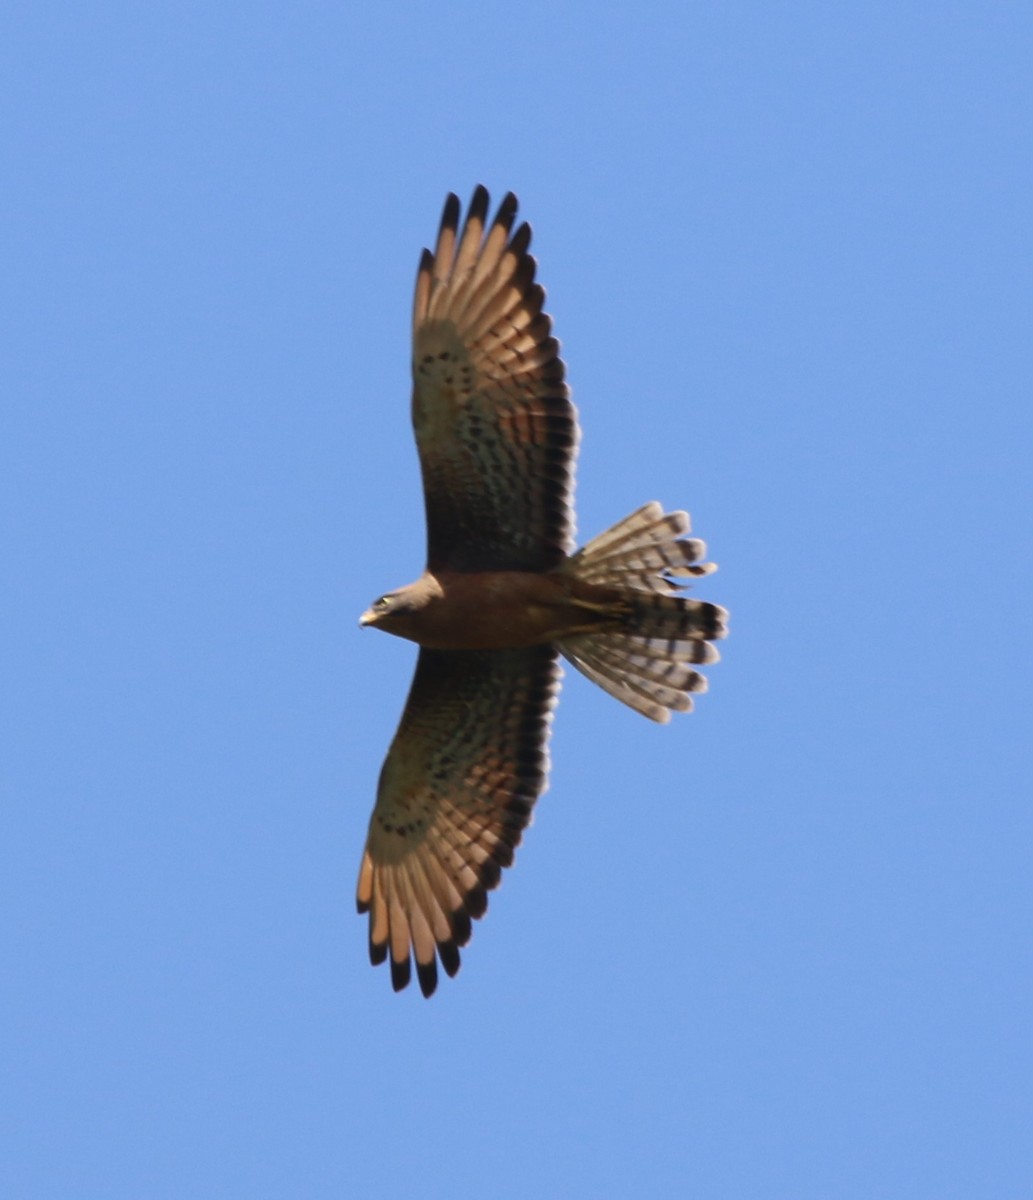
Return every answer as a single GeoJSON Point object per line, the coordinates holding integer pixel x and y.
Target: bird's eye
{"type": "Point", "coordinates": [382, 604]}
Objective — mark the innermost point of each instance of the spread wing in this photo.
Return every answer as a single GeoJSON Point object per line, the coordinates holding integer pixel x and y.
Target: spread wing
{"type": "Point", "coordinates": [456, 791]}
{"type": "Point", "coordinates": [496, 431]}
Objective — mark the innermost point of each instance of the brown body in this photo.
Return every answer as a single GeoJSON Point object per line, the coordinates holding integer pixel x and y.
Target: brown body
{"type": "Point", "coordinates": [495, 610]}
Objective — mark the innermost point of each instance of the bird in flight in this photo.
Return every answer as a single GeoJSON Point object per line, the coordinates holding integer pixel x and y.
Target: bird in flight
{"type": "Point", "coordinates": [503, 596]}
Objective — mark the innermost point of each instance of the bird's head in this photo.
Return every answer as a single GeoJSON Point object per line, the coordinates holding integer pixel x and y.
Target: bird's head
{"type": "Point", "coordinates": [384, 608]}
{"type": "Point", "coordinates": [398, 612]}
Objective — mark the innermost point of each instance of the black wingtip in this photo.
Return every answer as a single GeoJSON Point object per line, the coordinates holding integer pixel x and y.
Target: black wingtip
{"type": "Point", "coordinates": [427, 974]}
{"type": "Point", "coordinates": [450, 213]}
{"type": "Point", "coordinates": [521, 241]}
{"type": "Point", "coordinates": [479, 202]}
{"type": "Point", "coordinates": [476, 901]}
{"type": "Point", "coordinates": [508, 208]}
{"type": "Point", "coordinates": [448, 952]}
{"type": "Point", "coordinates": [461, 927]}
{"type": "Point", "coordinates": [401, 973]}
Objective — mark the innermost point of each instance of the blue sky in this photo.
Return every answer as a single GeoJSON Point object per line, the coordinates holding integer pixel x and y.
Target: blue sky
{"type": "Point", "coordinates": [780, 948]}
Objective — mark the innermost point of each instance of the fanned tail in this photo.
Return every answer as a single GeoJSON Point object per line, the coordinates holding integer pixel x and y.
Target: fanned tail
{"type": "Point", "coordinates": [642, 657]}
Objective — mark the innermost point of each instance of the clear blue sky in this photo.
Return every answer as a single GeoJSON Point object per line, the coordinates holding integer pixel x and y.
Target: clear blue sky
{"type": "Point", "coordinates": [780, 948]}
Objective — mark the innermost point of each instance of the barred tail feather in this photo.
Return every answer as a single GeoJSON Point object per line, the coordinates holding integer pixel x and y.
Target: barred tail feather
{"type": "Point", "coordinates": [640, 657]}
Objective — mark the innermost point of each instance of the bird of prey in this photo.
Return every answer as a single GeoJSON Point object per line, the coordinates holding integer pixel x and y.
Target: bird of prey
{"type": "Point", "coordinates": [503, 596]}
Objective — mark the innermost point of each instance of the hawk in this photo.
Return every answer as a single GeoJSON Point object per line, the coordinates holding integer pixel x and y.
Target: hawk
{"type": "Point", "coordinates": [503, 596]}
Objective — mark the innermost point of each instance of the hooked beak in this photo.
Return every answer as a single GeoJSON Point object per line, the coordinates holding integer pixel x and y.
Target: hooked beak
{"type": "Point", "coordinates": [369, 617]}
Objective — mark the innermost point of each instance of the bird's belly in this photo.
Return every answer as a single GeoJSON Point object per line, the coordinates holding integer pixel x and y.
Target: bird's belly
{"type": "Point", "coordinates": [496, 610]}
